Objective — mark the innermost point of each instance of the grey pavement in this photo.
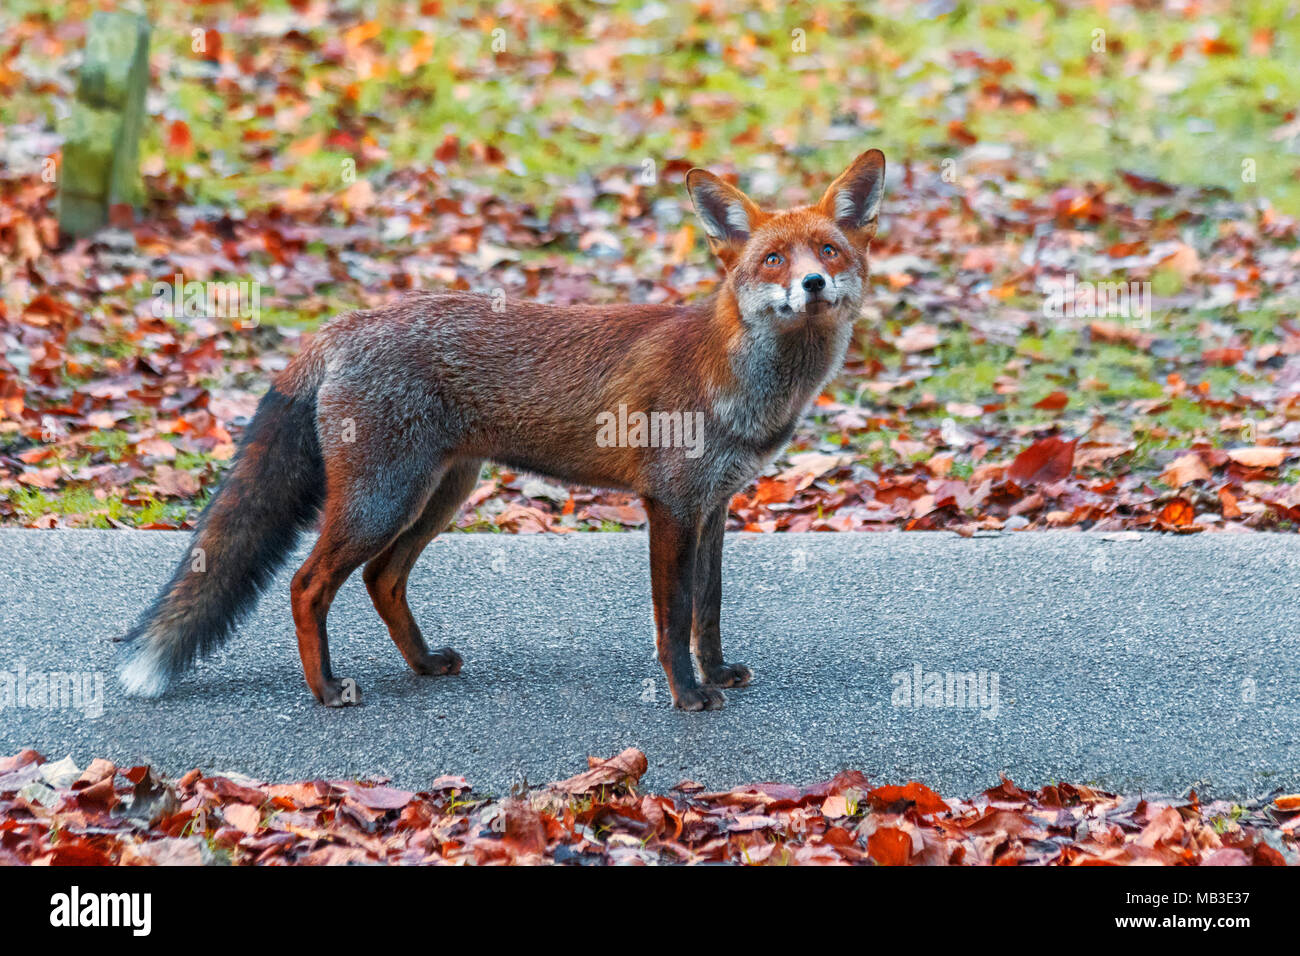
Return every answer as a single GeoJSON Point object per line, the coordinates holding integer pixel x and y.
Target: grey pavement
{"type": "Point", "coordinates": [1157, 664]}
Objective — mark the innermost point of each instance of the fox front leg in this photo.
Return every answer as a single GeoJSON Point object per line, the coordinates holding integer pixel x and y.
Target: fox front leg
{"type": "Point", "coordinates": [706, 638]}
{"type": "Point", "coordinates": [673, 543]}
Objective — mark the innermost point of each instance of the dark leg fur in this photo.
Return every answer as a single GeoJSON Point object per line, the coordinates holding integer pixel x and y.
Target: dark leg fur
{"type": "Point", "coordinates": [672, 567]}
{"type": "Point", "coordinates": [362, 517]}
{"type": "Point", "coordinates": [706, 639]}
{"type": "Point", "coordinates": [386, 574]}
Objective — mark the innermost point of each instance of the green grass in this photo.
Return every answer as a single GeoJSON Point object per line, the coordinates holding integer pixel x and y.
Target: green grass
{"type": "Point", "coordinates": [113, 443]}
{"type": "Point", "coordinates": [1178, 114]}
{"type": "Point", "coordinates": [96, 512]}
{"type": "Point", "coordinates": [566, 104]}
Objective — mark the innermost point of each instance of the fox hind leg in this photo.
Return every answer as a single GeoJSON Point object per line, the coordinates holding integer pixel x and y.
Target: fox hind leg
{"type": "Point", "coordinates": [364, 513]}
{"type": "Point", "coordinates": [386, 574]}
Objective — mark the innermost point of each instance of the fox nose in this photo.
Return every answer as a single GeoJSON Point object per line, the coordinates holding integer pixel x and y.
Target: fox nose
{"type": "Point", "coordinates": [813, 282]}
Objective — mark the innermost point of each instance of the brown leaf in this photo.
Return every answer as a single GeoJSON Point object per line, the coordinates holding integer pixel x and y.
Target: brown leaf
{"type": "Point", "coordinates": [1146, 184]}
{"type": "Point", "coordinates": [1259, 456]}
{"type": "Point", "coordinates": [242, 816]}
{"type": "Point", "coordinates": [525, 832]}
{"type": "Point", "coordinates": [630, 515]}
{"type": "Point", "coordinates": [918, 338]}
{"type": "Point", "coordinates": [1228, 503]}
{"type": "Point", "coordinates": [890, 846]}
{"type": "Point", "coordinates": [627, 767]}
{"type": "Point", "coordinates": [1227, 356]}
{"type": "Point", "coordinates": [925, 800]}
{"type": "Point", "coordinates": [376, 798]}
{"type": "Point", "coordinates": [170, 851]}
{"type": "Point", "coordinates": [41, 477]}
{"type": "Point", "coordinates": [1184, 469]}
{"type": "Point", "coordinates": [807, 467]}
{"type": "Point", "coordinates": [1226, 856]}
{"type": "Point", "coordinates": [174, 483]}
{"type": "Point", "coordinates": [156, 448]}
{"type": "Point", "coordinates": [1045, 461]}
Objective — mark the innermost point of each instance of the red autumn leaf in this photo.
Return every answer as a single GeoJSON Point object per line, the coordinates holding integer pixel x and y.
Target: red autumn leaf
{"type": "Point", "coordinates": [525, 831]}
{"type": "Point", "coordinates": [890, 846]}
{"type": "Point", "coordinates": [179, 139]}
{"type": "Point", "coordinates": [627, 767]}
{"type": "Point", "coordinates": [1178, 513]}
{"type": "Point", "coordinates": [770, 823]}
{"type": "Point", "coordinates": [449, 150]}
{"type": "Point", "coordinates": [375, 797]}
{"type": "Point", "coordinates": [1007, 791]}
{"type": "Point", "coordinates": [211, 46]}
{"type": "Point", "coordinates": [78, 852]}
{"type": "Point", "coordinates": [1265, 855]}
{"type": "Point", "coordinates": [1228, 503]}
{"type": "Point", "coordinates": [1046, 460]}
{"type": "Point", "coordinates": [1146, 184]}
{"type": "Point", "coordinates": [925, 799]}
{"type": "Point", "coordinates": [11, 398]}
{"type": "Point", "coordinates": [960, 134]}
{"type": "Point", "coordinates": [1227, 356]}
{"type": "Point", "coordinates": [1053, 402]}
{"type": "Point", "coordinates": [773, 491]}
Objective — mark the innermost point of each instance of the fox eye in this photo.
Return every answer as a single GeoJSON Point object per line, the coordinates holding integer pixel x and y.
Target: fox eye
{"type": "Point", "coordinates": [829, 251]}
{"type": "Point", "coordinates": [773, 259]}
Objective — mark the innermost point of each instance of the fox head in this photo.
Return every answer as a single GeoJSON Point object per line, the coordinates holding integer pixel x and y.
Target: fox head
{"type": "Point", "coordinates": [791, 266]}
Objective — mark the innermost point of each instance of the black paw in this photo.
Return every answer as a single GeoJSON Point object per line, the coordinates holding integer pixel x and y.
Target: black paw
{"type": "Point", "coordinates": [442, 661]}
{"type": "Point", "coordinates": [729, 675]}
{"type": "Point", "coordinates": [699, 698]}
{"type": "Point", "coordinates": [340, 692]}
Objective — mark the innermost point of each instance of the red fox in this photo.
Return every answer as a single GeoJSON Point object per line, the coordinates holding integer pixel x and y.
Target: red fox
{"type": "Point", "coordinates": [381, 424]}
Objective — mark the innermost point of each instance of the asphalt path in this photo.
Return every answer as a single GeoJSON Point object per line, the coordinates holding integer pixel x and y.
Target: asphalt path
{"type": "Point", "coordinates": [1156, 664]}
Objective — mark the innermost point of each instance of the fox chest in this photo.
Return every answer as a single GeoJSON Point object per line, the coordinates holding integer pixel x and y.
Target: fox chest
{"type": "Point", "coordinates": [732, 461]}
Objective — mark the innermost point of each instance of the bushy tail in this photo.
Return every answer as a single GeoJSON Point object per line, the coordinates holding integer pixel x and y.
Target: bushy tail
{"type": "Point", "coordinates": [273, 490]}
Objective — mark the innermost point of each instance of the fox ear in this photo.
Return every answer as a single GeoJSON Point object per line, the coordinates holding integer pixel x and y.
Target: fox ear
{"type": "Point", "coordinates": [727, 214]}
{"type": "Point", "coordinates": [853, 200]}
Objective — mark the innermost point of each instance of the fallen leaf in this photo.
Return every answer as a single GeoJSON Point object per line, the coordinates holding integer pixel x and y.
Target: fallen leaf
{"type": "Point", "coordinates": [1045, 461]}
{"type": "Point", "coordinates": [627, 767]}
{"type": "Point", "coordinates": [1259, 456]}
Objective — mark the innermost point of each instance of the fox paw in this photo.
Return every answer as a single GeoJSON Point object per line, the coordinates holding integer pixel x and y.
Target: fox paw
{"type": "Point", "coordinates": [340, 692]}
{"type": "Point", "coordinates": [699, 698]}
{"type": "Point", "coordinates": [442, 661]}
{"type": "Point", "coordinates": [729, 675]}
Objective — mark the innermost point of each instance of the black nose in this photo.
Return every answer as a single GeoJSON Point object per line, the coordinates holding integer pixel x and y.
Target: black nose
{"type": "Point", "coordinates": [813, 282]}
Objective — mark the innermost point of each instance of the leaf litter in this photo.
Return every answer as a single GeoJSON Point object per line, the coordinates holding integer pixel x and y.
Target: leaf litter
{"type": "Point", "coordinates": [56, 814]}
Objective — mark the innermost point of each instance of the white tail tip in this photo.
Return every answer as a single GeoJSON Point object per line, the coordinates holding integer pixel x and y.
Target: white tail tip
{"type": "Point", "coordinates": [144, 674]}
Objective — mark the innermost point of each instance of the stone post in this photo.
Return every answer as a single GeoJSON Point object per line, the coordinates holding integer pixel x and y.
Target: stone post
{"type": "Point", "coordinates": [101, 143]}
